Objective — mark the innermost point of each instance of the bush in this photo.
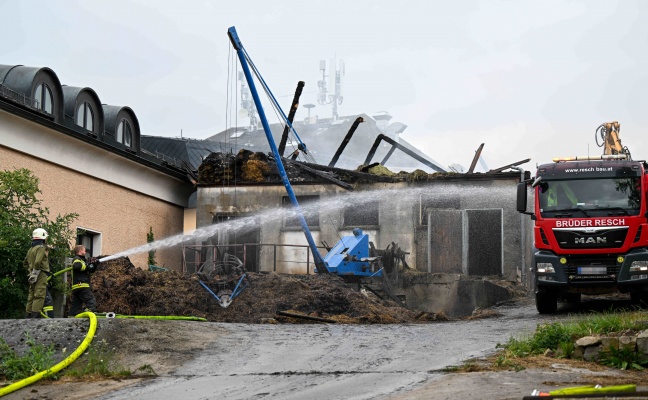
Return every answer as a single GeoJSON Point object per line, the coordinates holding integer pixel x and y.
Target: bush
{"type": "Point", "coordinates": [20, 213]}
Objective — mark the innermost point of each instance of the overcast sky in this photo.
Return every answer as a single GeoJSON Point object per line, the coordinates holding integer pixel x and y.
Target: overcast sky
{"type": "Point", "coordinates": [530, 79]}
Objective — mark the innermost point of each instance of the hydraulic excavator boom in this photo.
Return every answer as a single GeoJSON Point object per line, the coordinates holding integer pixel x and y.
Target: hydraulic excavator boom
{"type": "Point", "coordinates": [611, 142]}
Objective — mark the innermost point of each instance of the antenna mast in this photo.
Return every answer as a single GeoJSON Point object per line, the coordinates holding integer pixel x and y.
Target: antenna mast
{"type": "Point", "coordinates": [330, 86]}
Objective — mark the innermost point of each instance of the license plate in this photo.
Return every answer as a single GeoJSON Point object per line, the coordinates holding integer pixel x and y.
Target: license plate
{"type": "Point", "coordinates": [592, 270]}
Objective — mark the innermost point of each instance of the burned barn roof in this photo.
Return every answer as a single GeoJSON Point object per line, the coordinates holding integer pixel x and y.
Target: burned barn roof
{"type": "Point", "coordinates": [257, 168]}
{"type": "Point", "coordinates": [324, 136]}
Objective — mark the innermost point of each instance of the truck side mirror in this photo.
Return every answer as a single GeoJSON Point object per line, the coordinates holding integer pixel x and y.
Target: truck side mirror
{"type": "Point", "coordinates": [522, 198]}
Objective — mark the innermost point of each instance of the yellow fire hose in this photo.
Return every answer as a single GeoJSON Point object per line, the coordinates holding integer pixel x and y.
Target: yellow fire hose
{"type": "Point", "coordinates": [59, 273]}
{"type": "Point", "coordinates": [161, 317]}
{"type": "Point", "coordinates": [593, 390]}
{"type": "Point", "coordinates": [82, 347]}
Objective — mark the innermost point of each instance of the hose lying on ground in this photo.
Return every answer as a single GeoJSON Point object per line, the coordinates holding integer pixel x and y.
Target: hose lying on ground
{"type": "Point", "coordinates": [82, 347]}
{"type": "Point", "coordinates": [162, 317]}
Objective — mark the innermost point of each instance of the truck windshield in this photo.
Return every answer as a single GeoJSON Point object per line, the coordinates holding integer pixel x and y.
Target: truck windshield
{"type": "Point", "coordinates": [590, 197]}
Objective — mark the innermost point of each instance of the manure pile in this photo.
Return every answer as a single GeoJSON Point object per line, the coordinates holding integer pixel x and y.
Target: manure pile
{"type": "Point", "coordinates": [122, 288]}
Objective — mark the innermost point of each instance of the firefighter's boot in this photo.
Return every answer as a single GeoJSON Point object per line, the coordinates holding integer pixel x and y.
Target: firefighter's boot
{"type": "Point", "coordinates": [36, 315]}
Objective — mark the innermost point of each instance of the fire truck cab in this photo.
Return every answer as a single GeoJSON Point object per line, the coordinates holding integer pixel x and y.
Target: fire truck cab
{"type": "Point", "coordinates": [590, 233]}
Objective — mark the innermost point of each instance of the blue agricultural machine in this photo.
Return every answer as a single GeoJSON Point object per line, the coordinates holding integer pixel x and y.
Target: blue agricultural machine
{"type": "Point", "coordinates": [350, 257]}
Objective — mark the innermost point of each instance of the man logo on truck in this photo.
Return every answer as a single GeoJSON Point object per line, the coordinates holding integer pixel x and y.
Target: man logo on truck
{"type": "Point", "coordinates": [590, 240]}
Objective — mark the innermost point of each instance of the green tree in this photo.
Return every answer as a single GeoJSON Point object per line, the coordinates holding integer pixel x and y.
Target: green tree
{"type": "Point", "coordinates": [20, 213]}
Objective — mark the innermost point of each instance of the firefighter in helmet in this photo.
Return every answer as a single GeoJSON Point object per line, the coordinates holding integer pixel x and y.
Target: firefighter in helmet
{"type": "Point", "coordinates": [36, 264]}
{"type": "Point", "coordinates": [81, 291]}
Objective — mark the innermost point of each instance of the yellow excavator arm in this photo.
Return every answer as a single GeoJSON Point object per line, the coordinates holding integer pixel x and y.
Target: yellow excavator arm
{"type": "Point", "coordinates": [609, 133]}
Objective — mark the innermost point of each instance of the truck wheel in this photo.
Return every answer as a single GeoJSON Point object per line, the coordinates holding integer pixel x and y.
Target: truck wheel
{"type": "Point", "coordinates": [546, 302]}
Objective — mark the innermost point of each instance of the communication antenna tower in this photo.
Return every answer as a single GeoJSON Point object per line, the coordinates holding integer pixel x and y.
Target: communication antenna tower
{"type": "Point", "coordinates": [330, 86]}
{"type": "Point", "coordinates": [247, 104]}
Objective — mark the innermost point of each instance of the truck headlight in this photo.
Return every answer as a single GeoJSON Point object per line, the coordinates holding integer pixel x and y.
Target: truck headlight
{"type": "Point", "coordinates": [545, 268]}
{"type": "Point", "coordinates": [638, 266]}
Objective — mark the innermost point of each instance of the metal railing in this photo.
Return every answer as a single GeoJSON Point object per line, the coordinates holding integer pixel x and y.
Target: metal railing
{"type": "Point", "coordinates": [213, 253]}
{"type": "Point", "coordinates": [20, 99]}
{"type": "Point", "coordinates": [167, 159]}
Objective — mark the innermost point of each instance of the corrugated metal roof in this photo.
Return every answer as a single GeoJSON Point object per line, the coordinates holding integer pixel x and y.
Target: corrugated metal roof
{"type": "Point", "coordinates": [191, 151]}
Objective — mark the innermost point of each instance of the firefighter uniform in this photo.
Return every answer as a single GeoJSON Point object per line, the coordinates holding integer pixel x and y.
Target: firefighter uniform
{"type": "Point", "coordinates": [48, 308]}
{"type": "Point", "coordinates": [37, 260]}
{"type": "Point", "coordinates": [81, 291]}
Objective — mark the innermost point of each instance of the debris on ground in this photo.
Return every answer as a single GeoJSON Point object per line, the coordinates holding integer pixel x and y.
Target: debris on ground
{"type": "Point", "coordinates": [122, 288]}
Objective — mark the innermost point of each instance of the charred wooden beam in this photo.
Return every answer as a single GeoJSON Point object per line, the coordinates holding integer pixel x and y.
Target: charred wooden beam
{"type": "Point", "coordinates": [389, 154]}
{"type": "Point", "coordinates": [500, 169]}
{"type": "Point", "coordinates": [474, 161]}
{"type": "Point", "coordinates": [402, 148]}
{"type": "Point", "coordinates": [353, 174]}
{"type": "Point", "coordinates": [323, 175]}
{"type": "Point", "coordinates": [345, 141]}
{"type": "Point", "coordinates": [291, 117]}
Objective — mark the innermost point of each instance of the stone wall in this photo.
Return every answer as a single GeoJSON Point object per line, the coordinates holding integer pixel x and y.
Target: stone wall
{"type": "Point", "coordinates": [590, 348]}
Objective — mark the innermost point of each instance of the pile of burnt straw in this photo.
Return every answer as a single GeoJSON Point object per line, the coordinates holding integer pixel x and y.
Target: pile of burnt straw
{"type": "Point", "coordinates": [227, 168]}
{"type": "Point", "coordinates": [124, 289]}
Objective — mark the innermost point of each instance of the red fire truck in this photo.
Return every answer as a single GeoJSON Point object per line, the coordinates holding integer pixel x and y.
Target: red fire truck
{"type": "Point", "coordinates": [591, 232]}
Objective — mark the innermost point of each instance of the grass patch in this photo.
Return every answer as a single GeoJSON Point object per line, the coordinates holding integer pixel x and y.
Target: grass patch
{"type": "Point", "coordinates": [15, 367]}
{"type": "Point", "coordinates": [559, 339]}
{"type": "Point", "coordinates": [98, 360]}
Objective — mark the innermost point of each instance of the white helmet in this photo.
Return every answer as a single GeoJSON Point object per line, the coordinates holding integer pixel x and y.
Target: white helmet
{"type": "Point", "coordinates": [39, 233]}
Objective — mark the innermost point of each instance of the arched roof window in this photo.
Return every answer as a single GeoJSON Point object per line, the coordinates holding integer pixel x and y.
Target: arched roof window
{"type": "Point", "coordinates": [124, 133]}
{"type": "Point", "coordinates": [85, 116]}
{"type": "Point", "coordinates": [83, 110]}
{"type": "Point", "coordinates": [43, 98]}
{"type": "Point", "coordinates": [36, 88]}
{"type": "Point", "coordinates": [122, 127]}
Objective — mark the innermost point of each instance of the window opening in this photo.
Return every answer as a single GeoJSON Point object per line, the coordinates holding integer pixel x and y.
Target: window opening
{"type": "Point", "coordinates": [43, 97]}
{"type": "Point", "coordinates": [365, 215]}
{"type": "Point", "coordinates": [124, 133]}
{"type": "Point", "coordinates": [590, 197]}
{"type": "Point", "coordinates": [309, 208]}
{"type": "Point", "coordinates": [84, 116]}
{"type": "Point", "coordinates": [90, 240]}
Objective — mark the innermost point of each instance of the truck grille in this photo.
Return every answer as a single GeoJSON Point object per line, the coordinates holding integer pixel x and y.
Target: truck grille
{"type": "Point", "coordinates": [573, 269]}
{"type": "Point", "coordinates": [580, 239]}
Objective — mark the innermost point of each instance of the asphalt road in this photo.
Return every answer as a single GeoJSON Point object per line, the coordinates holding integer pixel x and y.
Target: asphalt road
{"type": "Point", "coordinates": [334, 361]}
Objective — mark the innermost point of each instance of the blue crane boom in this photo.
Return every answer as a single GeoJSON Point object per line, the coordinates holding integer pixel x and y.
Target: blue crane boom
{"type": "Point", "coordinates": [350, 256]}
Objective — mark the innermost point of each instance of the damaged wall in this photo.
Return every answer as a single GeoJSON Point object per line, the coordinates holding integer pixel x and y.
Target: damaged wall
{"type": "Point", "coordinates": [489, 222]}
